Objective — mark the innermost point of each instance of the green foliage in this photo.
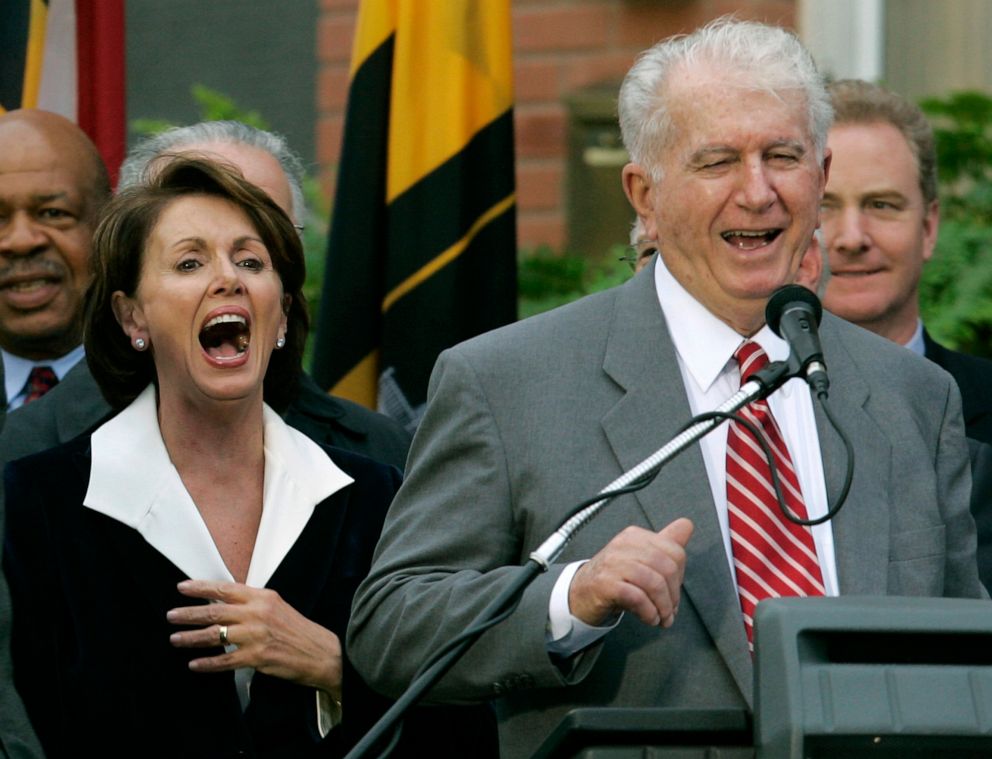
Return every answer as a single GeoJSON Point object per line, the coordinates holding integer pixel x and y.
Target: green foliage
{"type": "Point", "coordinates": [216, 106]}
{"type": "Point", "coordinates": [546, 280]}
{"type": "Point", "coordinates": [956, 290]}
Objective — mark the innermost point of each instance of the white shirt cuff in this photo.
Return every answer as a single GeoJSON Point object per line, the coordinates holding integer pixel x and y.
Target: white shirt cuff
{"type": "Point", "coordinates": [567, 634]}
{"type": "Point", "coordinates": [328, 712]}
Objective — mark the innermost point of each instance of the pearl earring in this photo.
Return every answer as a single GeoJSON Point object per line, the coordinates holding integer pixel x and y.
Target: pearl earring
{"type": "Point", "coordinates": [139, 343]}
{"type": "Point", "coordinates": [280, 342]}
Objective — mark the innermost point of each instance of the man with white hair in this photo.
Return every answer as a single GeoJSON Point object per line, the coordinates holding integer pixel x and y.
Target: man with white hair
{"type": "Point", "coordinates": [652, 603]}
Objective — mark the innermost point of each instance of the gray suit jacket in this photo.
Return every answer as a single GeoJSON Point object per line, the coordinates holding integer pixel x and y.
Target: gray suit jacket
{"type": "Point", "coordinates": [76, 406]}
{"type": "Point", "coordinates": [527, 421]}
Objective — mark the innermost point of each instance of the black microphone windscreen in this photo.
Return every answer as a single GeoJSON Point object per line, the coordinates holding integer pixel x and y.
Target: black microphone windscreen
{"type": "Point", "coordinates": [786, 295]}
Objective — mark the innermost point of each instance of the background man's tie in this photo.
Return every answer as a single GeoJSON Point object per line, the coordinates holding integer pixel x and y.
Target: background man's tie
{"type": "Point", "coordinates": [40, 381]}
{"type": "Point", "coordinates": [772, 555]}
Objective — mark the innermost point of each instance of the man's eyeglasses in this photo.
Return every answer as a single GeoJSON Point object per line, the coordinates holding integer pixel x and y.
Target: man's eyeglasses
{"type": "Point", "coordinates": [639, 251]}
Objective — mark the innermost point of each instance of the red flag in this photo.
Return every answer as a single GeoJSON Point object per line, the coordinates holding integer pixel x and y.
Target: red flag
{"type": "Point", "coordinates": [67, 56]}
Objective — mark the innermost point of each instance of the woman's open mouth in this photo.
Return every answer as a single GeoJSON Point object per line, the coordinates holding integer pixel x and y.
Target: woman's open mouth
{"type": "Point", "coordinates": [225, 337]}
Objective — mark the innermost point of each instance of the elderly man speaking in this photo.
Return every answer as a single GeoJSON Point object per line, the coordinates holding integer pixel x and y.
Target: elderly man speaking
{"type": "Point", "coordinates": [651, 604]}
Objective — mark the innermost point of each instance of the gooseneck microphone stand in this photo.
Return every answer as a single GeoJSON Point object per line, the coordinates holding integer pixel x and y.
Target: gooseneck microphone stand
{"type": "Point", "coordinates": [762, 384]}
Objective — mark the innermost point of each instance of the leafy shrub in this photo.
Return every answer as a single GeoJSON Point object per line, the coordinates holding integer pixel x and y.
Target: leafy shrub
{"type": "Point", "coordinates": [546, 280]}
{"type": "Point", "coordinates": [956, 289]}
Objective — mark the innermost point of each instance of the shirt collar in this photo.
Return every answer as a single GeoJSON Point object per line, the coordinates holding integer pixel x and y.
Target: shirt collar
{"type": "Point", "coordinates": [703, 342]}
{"type": "Point", "coordinates": [133, 481]}
{"type": "Point", "coordinates": [16, 369]}
{"type": "Point", "coordinates": [916, 343]}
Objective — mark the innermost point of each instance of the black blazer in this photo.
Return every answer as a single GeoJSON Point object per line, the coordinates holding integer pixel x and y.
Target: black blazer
{"type": "Point", "coordinates": [974, 377]}
{"type": "Point", "coordinates": [90, 642]}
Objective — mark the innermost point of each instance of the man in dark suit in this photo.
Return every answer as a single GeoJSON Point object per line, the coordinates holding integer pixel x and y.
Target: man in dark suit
{"type": "Point", "coordinates": [75, 405]}
{"type": "Point", "coordinates": [726, 129]}
{"type": "Point", "coordinates": [880, 220]}
{"type": "Point", "coordinates": [52, 186]}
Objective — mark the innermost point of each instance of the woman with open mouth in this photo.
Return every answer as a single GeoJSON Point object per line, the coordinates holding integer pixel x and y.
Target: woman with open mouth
{"type": "Point", "coordinates": [181, 577]}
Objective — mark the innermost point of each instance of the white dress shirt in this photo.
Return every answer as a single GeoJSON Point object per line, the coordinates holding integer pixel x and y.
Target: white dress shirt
{"type": "Point", "coordinates": [133, 480]}
{"type": "Point", "coordinates": [705, 347]}
{"type": "Point", "coordinates": [16, 371]}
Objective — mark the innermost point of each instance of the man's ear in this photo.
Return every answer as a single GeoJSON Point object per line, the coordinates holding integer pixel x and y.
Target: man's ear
{"type": "Point", "coordinates": [931, 221]}
{"type": "Point", "coordinates": [827, 158]}
{"type": "Point", "coordinates": [811, 266]}
{"type": "Point", "coordinates": [129, 315]}
{"type": "Point", "coordinates": [637, 186]}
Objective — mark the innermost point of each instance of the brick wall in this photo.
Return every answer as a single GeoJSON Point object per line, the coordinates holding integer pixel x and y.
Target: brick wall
{"type": "Point", "coordinates": [560, 46]}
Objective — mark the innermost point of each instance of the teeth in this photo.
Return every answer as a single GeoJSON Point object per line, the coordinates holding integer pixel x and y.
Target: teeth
{"type": "Point", "coordinates": [743, 233]}
{"type": "Point", "coordinates": [241, 343]}
{"type": "Point", "coordinates": [23, 287]}
{"type": "Point", "coordinates": [226, 319]}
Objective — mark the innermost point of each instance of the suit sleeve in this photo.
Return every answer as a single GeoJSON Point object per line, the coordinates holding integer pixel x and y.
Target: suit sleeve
{"type": "Point", "coordinates": [449, 545]}
{"type": "Point", "coordinates": [17, 738]}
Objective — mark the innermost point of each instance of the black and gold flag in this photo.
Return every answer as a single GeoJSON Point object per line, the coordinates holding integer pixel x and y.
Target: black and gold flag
{"type": "Point", "coordinates": [22, 48]}
{"type": "Point", "coordinates": [422, 249]}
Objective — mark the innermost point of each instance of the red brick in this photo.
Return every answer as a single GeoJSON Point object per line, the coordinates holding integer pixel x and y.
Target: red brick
{"type": "Point", "coordinates": [540, 132]}
{"type": "Point", "coordinates": [536, 80]}
{"type": "Point", "coordinates": [334, 38]}
{"type": "Point", "coordinates": [535, 229]}
{"type": "Point", "coordinates": [641, 25]}
{"type": "Point", "coordinates": [597, 69]}
{"type": "Point", "coordinates": [330, 130]}
{"type": "Point", "coordinates": [327, 176]}
{"type": "Point", "coordinates": [332, 5]}
{"type": "Point", "coordinates": [538, 185]}
{"type": "Point", "coordinates": [332, 88]}
{"type": "Point", "coordinates": [570, 27]}
{"type": "Point", "coordinates": [780, 12]}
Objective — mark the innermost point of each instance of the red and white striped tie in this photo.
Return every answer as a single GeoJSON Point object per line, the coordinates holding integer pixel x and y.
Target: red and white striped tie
{"type": "Point", "coordinates": [773, 556]}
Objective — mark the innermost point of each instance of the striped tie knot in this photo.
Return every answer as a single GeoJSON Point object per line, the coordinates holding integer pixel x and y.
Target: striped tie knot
{"type": "Point", "coordinates": [751, 358]}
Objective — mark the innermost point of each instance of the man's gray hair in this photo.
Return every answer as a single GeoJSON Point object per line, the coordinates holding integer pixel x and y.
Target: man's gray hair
{"type": "Point", "coordinates": [227, 132]}
{"type": "Point", "coordinates": [771, 57]}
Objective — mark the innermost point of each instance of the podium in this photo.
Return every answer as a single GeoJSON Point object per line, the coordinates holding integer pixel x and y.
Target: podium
{"type": "Point", "coordinates": [608, 733]}
{"type": "Point", "coordinates": [886, 678]}
{"type": "Point", "coordinates": [873, 677]}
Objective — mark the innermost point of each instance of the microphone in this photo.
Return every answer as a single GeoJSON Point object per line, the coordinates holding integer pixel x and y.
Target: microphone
{"type": "Point", "coordinates": [794, 313]}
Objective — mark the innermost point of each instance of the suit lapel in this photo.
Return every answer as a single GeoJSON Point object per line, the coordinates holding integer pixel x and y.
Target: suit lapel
{"type": "Point", "coordinates": [861, 529]}
{"type": "Point", "coordinates": [641, 359]}
{"type": "Point", "coordinates": [304, 573]}
{"type": "Point", "coordinates": [82, 408]}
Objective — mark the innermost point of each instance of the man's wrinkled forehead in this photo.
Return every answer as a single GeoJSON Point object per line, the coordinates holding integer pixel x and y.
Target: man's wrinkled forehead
{"type": "Point", "coordinates": [256, 165]}
{"type": "Point", "coordinates": [49, 163]}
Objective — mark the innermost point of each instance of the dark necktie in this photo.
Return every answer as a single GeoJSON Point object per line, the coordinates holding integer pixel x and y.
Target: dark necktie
{"type": "Point", "coordinates": [40, 381]}
{"type": "Point", "coordinates": [773, 556]}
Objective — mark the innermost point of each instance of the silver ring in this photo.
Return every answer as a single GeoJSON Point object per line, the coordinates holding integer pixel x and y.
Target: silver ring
{"type": "Point", "coordinates": [223, 635]}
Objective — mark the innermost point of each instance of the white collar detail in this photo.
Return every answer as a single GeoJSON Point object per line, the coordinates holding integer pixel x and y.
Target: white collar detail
{"type": "Point", "coordinates": [133, 481]}
{"type": "Point", "coordinates": [705, 343]}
